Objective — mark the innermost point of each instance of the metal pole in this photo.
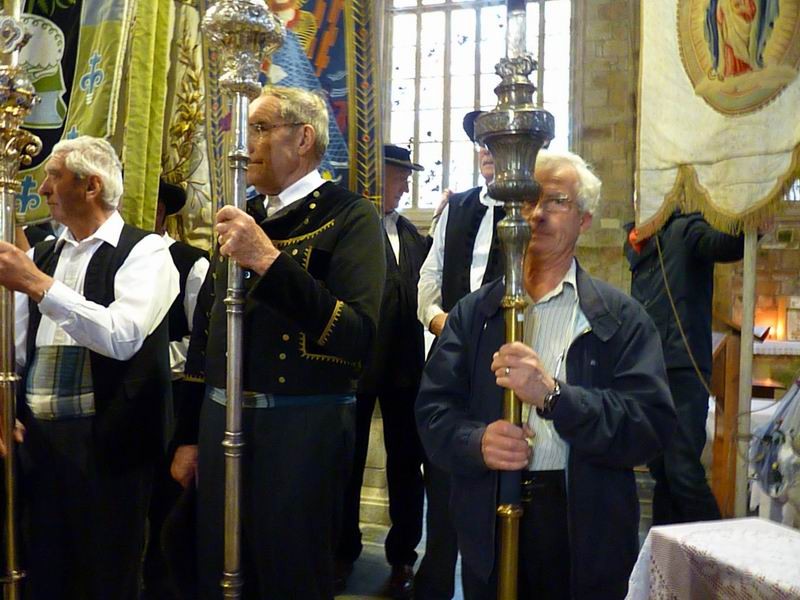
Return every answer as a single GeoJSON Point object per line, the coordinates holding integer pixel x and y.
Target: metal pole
{"type": "Point", "coordinates": [745, 372]}
{"type": "Point", "coordinates": [18, 147]}
{"type": "Point", "coordinates": [244, 33]}
{"type": "Point", "coordinates": [514, 132]}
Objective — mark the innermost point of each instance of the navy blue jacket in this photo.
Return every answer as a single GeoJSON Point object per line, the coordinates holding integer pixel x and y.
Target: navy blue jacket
{"type": "Point", "coordinates": [690, 247]}
{"type": "Point", "coordinates": [615, 412]}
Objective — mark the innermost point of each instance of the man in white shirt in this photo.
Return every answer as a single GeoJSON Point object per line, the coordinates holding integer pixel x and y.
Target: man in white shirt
{"type": "Point", "coordinates": [465, 254]}
{"type": "Point", "coordinates": [91, 340]}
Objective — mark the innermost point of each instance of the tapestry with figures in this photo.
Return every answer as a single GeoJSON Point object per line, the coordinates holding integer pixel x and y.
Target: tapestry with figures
{"type": "Point", "coordinates": [330, 46]}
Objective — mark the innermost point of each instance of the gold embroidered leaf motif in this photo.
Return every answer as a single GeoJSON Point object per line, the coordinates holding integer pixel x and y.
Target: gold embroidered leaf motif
{"type": "Point", "coordinates": [306, 236]}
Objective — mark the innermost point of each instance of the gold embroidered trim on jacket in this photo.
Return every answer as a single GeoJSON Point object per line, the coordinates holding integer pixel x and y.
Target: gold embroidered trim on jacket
{"type": "Point", "coordinates": [326, 333]}
{"type": "Point", "coordinates": [194, 378]}
{"type": "Point", "coordinates": [325, 357]}
{"type": "Point", "coordinates": [305, 236]}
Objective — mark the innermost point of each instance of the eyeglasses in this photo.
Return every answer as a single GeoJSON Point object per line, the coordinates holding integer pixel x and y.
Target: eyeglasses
{"type": "Point", "coordinates": [552, 203]}
{"type": "Point", "coordinates": [260, 128]}
{"type": "Point", "coordinates": [478, 146]}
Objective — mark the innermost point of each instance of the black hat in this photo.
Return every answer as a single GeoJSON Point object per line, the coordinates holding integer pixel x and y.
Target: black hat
{"type": "Point", "coordinates": [172, 195]}
{"type": "Point", "coordinates": [469, 123]}
{"type": "Point", "coordinates": [399, 157]}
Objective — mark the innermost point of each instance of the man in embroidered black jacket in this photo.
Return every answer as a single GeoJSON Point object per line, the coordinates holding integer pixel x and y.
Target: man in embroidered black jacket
{"type": "Point", "coordinates": [92, 338]}
{"type": "Point", "coordinates": [314, 273]}
{"type": "Point", "coordinates": [597, 382]}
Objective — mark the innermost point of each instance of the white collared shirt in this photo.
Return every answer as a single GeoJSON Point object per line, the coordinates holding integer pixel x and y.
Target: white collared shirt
{"type": "Point", "coordinates": [194, 281]}
{"type": "Point", "coordinates": [551, 325]}
{"type": "Point", "coordinates": [297, 191]}
{"type": "Point", "coordinates": [429, 295]}
{"type": "Point", "coordinates": [390, 225]}
{"type": "Point", "coordinates": [144, 287]}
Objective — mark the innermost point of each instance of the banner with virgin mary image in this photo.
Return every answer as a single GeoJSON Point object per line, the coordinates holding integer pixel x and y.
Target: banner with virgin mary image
{"type": "Point", "coordinates": [719, 116]}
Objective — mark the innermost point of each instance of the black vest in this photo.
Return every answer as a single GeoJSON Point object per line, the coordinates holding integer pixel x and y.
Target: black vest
{"type": "Point", "coordinates": [465, 214]}
{"type": "Point", "coordinates": [184, 256]}
{"type": "Point", "coordinates": [129, 394]}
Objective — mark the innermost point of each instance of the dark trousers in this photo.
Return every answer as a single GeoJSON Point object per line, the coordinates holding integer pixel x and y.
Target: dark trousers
{"type": "Point", "coordinates": [158, 583]}
{"type": "Point", "coordinates": [295, 465]}
{"type": "Point", "coordinates": [83, 524]}
{"type": "Point", "coordinates": [681, 492]}
{"type": "Point", "coordinates": [544, 560]}
{"type": "Point", "coordinates": [435, 578]}
{"type": "Point", "coordinates": [403, 473]}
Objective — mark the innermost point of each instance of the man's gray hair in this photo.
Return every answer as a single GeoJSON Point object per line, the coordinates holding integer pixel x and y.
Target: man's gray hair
{"type": "Point", "coordinates": [589, 184]}
{"type": "Point", "coordinates": [86, 155]}
{"type": "Point", "coordinates": [302, 106]}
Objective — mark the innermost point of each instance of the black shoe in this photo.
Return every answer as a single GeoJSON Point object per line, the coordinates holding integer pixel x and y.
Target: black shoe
{"type": "Point", "coordinates": [401, 582]}
{"type": "Point", "coordinates": [341, 571]}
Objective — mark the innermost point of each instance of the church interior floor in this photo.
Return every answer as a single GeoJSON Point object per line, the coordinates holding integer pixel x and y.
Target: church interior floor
{"type": "Point", "coordinates": [371, 571]}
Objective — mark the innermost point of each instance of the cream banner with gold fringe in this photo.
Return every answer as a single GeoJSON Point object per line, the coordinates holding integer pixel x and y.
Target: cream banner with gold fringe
{"type": "Point", "coordinates": [719, 109]}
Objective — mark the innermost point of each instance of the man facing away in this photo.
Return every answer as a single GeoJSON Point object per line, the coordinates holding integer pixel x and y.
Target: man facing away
{"type": "Point", "coordinates": [591, 376]}
{"type": "Point", "coordinates": [392, 377]}
{"type": "Point", "coordinates": [672, 275]}
{"type": "Point", "coordinates": [92, 343]}
{"type": "Point", "coordinates": [313, 289]}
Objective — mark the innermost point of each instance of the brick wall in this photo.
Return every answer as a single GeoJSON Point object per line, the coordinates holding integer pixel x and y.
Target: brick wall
{"type": "Point", "coordinates": [777, 273]}
{"type": "Point", "coordinates": [606, 41]}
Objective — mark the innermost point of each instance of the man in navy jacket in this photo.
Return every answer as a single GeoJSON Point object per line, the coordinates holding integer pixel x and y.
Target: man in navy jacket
{"type": "Point", "coordinates": [591, 371]}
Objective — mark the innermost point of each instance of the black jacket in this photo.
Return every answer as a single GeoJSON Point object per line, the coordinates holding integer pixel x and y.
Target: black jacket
{"type": "Point", "coordinates": [615, 412]}
{"type": "Point", "coordinates": [690, 247]}
{"type": "Point", "coordinates": [399, 351]}
{"type": "Point", "coordinates": [310, 320]}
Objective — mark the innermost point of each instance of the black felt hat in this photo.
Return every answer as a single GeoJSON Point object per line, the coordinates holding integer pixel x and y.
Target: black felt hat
{"type": "Point", "coordinates": [399, 157]}
{"type": "Point", "coordinates": [172, 195]}
{"type": "Point", "coordinates": [469, 123]}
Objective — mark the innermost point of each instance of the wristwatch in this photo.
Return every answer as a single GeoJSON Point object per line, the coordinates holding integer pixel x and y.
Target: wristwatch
{"type": "Point", "coordinates": [550, 400]}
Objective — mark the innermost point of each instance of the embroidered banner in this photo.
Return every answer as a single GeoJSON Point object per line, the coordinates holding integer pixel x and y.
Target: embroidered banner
{"type": "Point", "coordinates": [75, 59]}
{"type": "Point", "coordinates": [718, 109]}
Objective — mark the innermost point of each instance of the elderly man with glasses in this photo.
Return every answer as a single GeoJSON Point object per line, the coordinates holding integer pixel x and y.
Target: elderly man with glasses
{"type": "Point", "coordinates": [313, 283]}
{"type": "Point", "coordinates": [596, 403]}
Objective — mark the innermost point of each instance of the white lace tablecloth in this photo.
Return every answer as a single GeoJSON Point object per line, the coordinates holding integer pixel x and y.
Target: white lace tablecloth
{"type": "Point", "coordinates": [745, 559]}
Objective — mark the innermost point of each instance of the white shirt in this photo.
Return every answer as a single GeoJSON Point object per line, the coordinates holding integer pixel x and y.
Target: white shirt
{"type": "Point", "coordinates": [390, 225]}
{"type": "Point", "coordinates": [297, 191]}
{"type": "Point", "coordinates": [551, 325]}
{"type": "Point", "coordinates": [429, 294]}
{"type": "Point", "coordinates": [144, 287]}
{"type": "Point", "coordinates": [194, 280]}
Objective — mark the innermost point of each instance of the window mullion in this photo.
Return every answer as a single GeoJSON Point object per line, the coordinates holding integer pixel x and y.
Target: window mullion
{"type": "Point", "coordinates": [417, 86]}
{"type": "Point", "coordinates": [446, 101]}
{"type": "Point", "coordinates": [540, 70]}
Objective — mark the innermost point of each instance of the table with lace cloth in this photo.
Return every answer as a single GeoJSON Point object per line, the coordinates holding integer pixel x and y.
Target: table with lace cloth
{"type": "Point", "coordinates": [733, 559]}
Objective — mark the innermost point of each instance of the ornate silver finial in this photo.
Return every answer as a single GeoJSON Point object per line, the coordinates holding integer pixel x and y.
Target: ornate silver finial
{"type": "Point", "coordinates": [243, 32]}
